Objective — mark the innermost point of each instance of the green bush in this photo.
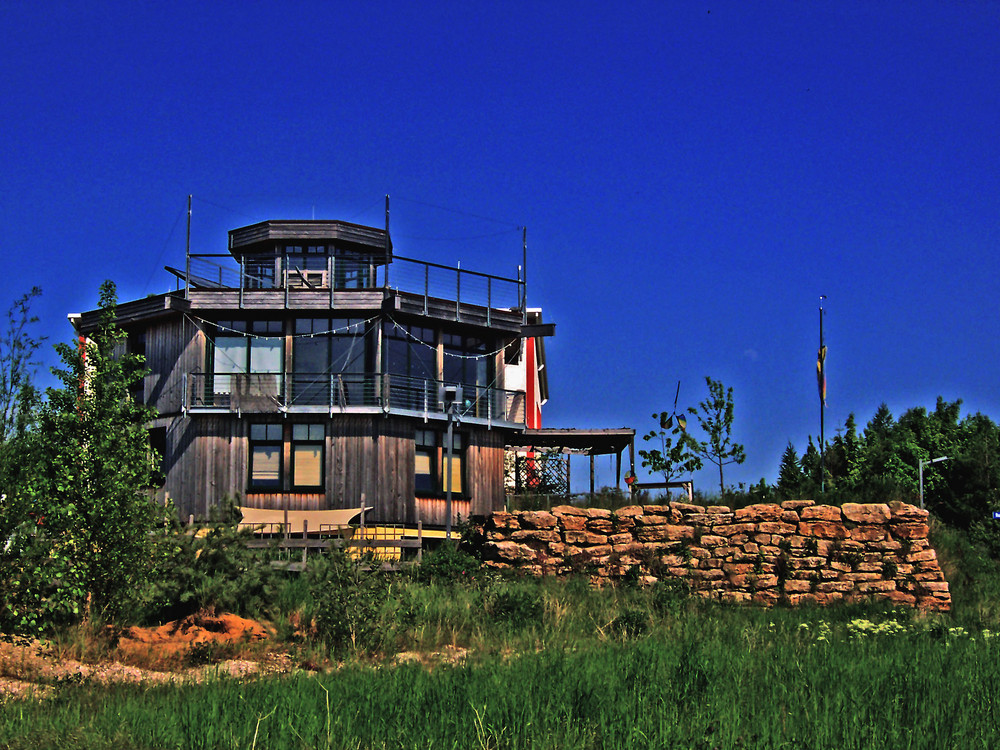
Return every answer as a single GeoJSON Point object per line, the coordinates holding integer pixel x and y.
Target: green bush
{"type": "Point", "coordinates": [449, 564]}
{"type": "Point", "coordinates": [515, 605]}
{"type": "Point", "coordinates": [349, 597]}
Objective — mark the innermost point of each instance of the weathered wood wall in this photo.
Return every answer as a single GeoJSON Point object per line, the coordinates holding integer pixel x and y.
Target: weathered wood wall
{"type": "Point", "coordinates": [370, 456]}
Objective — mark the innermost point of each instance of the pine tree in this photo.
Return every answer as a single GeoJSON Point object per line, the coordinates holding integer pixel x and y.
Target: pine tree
{"type": "Point", "coordinates": [790, 477]}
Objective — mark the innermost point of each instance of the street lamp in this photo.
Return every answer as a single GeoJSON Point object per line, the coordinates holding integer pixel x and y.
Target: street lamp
{"type": "Point", "coordinates": [922, 465]}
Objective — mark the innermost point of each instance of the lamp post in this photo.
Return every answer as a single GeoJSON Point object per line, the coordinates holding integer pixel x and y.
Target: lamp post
{"type": "Point", "coordinates": [922, 465]}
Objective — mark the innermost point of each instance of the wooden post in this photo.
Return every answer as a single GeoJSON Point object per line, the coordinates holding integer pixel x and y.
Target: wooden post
{"type": "Point", "coordinates": [420, 538]}
{"type": "Point", "coordinates": [305, 537]}
{"type": "Point", "coordinates": [591, 477]}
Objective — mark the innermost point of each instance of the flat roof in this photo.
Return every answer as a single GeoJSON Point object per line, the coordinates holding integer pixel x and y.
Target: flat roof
{"type": "Point", "coordinates": [572, 440]}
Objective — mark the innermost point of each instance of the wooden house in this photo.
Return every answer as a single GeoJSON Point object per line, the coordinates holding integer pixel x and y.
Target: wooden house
{"type": "Point", "coordinates": [310, 368]}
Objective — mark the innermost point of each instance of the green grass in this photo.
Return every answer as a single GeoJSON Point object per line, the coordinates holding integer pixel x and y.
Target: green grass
{"type": "Point", "coordinates": [556, 664]}
{"type": "Point", "coordinates": [701, 677]}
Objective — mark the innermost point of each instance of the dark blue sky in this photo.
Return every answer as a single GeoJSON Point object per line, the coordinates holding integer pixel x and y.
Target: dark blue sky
{"type": "Point", "coordinates": [692, 175]}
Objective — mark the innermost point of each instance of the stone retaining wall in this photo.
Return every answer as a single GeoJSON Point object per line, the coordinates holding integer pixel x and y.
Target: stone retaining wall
{"type": "Point", "coordinates": [794, 552]}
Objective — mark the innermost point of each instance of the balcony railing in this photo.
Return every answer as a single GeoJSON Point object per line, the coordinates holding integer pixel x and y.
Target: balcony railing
{"type": "Point", "coordinates": [429, 281]}
{"type": "Point", "coordinates": [344, 392]}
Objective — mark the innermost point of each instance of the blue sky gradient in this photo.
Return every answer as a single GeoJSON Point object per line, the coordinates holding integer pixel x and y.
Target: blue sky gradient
{"type": "Point", "coordinates": [693, 175]}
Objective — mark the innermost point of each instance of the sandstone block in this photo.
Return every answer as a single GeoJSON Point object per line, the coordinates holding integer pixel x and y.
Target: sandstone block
{"type": "Point", "coordinates": [571, 510]}
{"type": "Point", "coordinates": [735, 597]}
{"type": "Point", "coordinates": [537, 519]}
{"type": "Point", "coordinates": [767, 597]}
{"type": "Point", "coordinates": [906, 512]}
{"type": "Point", "coordinates": [868, 587]}
{"type": "Point", "coordinates": [758, 513]}
{"type": "Point", "coordinates": [776, 527]}
{"type": "Point", "coordinates": [620, 539]}
{"type": "Point", "coordinates": [869, 513]}
{"type": "Point", "coordinates": [536, 535]}
{"type": "Point", "coordinates": [909, 530]}
{"type": "Point", "coordinates": [820, 513]}
{"type": "Point", "coordinates": [710, 540]}
{"type": "Point", "coordinates": [716, 509]}
{"type": "Point", "coordinates": [934, 586]}
{"type": "Point", "coordinates": [730, 529]}
{"type": "Point", "coordinates": [600, 526]}
{"type": "Point", "coordinates": [698, 519]}
{"type": "Point", "coordinates": [799, 563]}
{"type": "Point", "coordinates": [796, 504]}
{"type": "Point", "coordinates": [598, 513]}
{"type": "Point", "coordinates": [656, 510]}
{"type": "Point", "coordinates": [573, 523]}
{"type": "Point", "coordinates": [790, 516]}
{"type": "Point", "coordinates": [860, 576]}
{"type": "Point", "coordinates": [751, 548]}
{"type": "Point", "coordinates": [629, 511]}
{"type": "Point", "coordinates": [897, 597]}
{"type": "Point", "coordinates": [797, 586]}
{"type": "Point", "coordinates": [868, 533]}
{"type": "Point", "coordinates": [827, 586]}
{"type": "Point", "coordinates": [687, 508]}
{"type": "Point", "coordinates": [738, 568]}
{"type": "Point", "coordinates": [823, 529]}
{"type": "Point", "coordinates": [699, 553]}
{"type": "Point", "coordinates": [584, 538]}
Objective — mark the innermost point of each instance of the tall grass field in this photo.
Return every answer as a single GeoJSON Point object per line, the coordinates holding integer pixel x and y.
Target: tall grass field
{"type": "Point", "coordinates": [555, 664]}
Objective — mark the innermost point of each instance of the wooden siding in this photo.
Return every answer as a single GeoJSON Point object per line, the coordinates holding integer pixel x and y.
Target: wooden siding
{"type": "Point", "coordinates": [174, 347]}
{"type": "Point", "coordinates": [302, 231]}
{"type": "Point", "coordinates": [433, 511]}
{"type": "Point", "coordinates": [370, 456]}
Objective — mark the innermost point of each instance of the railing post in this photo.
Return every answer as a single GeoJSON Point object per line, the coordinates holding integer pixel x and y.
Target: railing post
{"type": "Point", "coordinates": [458, 291]}
{"type": "Point", "coordinates": [489, 297]}
{"type": "Point", "coordinates": [427, 271]}
{"type": "Point", "coordinates": [329, 274]}
{"type": "Point", "coordinates": [243, 259]}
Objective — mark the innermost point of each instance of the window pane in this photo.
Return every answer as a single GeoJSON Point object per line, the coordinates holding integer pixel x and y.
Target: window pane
{"type": "Point", "coordinates": [423, 473]}
{"type": "Point", "coordinates": [307, 461]}
{"type": "Point", "coordinates": [265, 466]}
{"type": "Point", "coordinates": [230, 354]}
{"type": "Point", "coordinates": [265, 355]}
{"type": "Point", "coordinates": [456, 473]}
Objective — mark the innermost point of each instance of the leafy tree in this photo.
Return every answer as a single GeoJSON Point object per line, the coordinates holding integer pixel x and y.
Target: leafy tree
{"type": "Point", "coordinates": [17, 360]}
{"type": "Point", "coordinates": [716, 419]}
{"type": "Point", "coordinates": [676, 455]}
{"type": "Point", "coordinates": [80, 517]}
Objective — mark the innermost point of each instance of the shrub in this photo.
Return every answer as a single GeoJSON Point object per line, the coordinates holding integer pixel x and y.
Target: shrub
{"type": "Point", "coordinates": [449, 564]}
{"type": "Point", "coordinates": [349, 598]}
{"type": "Point", "coordinates": [515, 605]}
{"type": "Point", "coordinates": [631, 623]}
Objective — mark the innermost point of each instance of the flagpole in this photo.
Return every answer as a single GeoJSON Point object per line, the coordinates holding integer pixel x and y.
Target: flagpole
{"type": "Point", "coordinates": [822, 401]}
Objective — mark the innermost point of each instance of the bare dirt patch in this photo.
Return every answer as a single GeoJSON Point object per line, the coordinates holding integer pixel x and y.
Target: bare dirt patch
{"type": "Point", "coordinates": [183, 650]}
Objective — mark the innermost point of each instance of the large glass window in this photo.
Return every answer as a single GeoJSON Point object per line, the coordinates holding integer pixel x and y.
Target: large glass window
{"type": "Point", "coordinates": [468, 360]}
{"type": "Point", "coordinates": [265, 456]}
{"type": "Point", "coordinates": [307, 455]}
{"type": "Point", "coordinates": [258, 272]}
{"type": "Point", "coordinates": [248, 359]}
{"type": "Point", "coordinates": [411, 361]}
{"type": "Point", "coordinates": [430, 471]}
{"type": "Point", "coordinates": [330, 359]}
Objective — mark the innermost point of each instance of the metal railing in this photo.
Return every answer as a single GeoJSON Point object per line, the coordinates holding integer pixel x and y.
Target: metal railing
{"type": "Point", "coordinates": [275, 392]}
{"type": "Point", "coordinates": [430, 281]}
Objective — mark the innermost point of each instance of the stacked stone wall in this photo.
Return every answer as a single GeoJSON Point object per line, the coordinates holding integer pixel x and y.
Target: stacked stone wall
{"type": "Point", "coordinates": [795, 552]}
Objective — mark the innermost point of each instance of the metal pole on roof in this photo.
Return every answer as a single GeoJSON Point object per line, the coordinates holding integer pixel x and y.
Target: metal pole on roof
{"type": "Point", "coordinates": [524, 276]}
{"type": "Point", "coordinates": [187, 254]}
{"type": "Point", "coordinates": [385, 276]}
